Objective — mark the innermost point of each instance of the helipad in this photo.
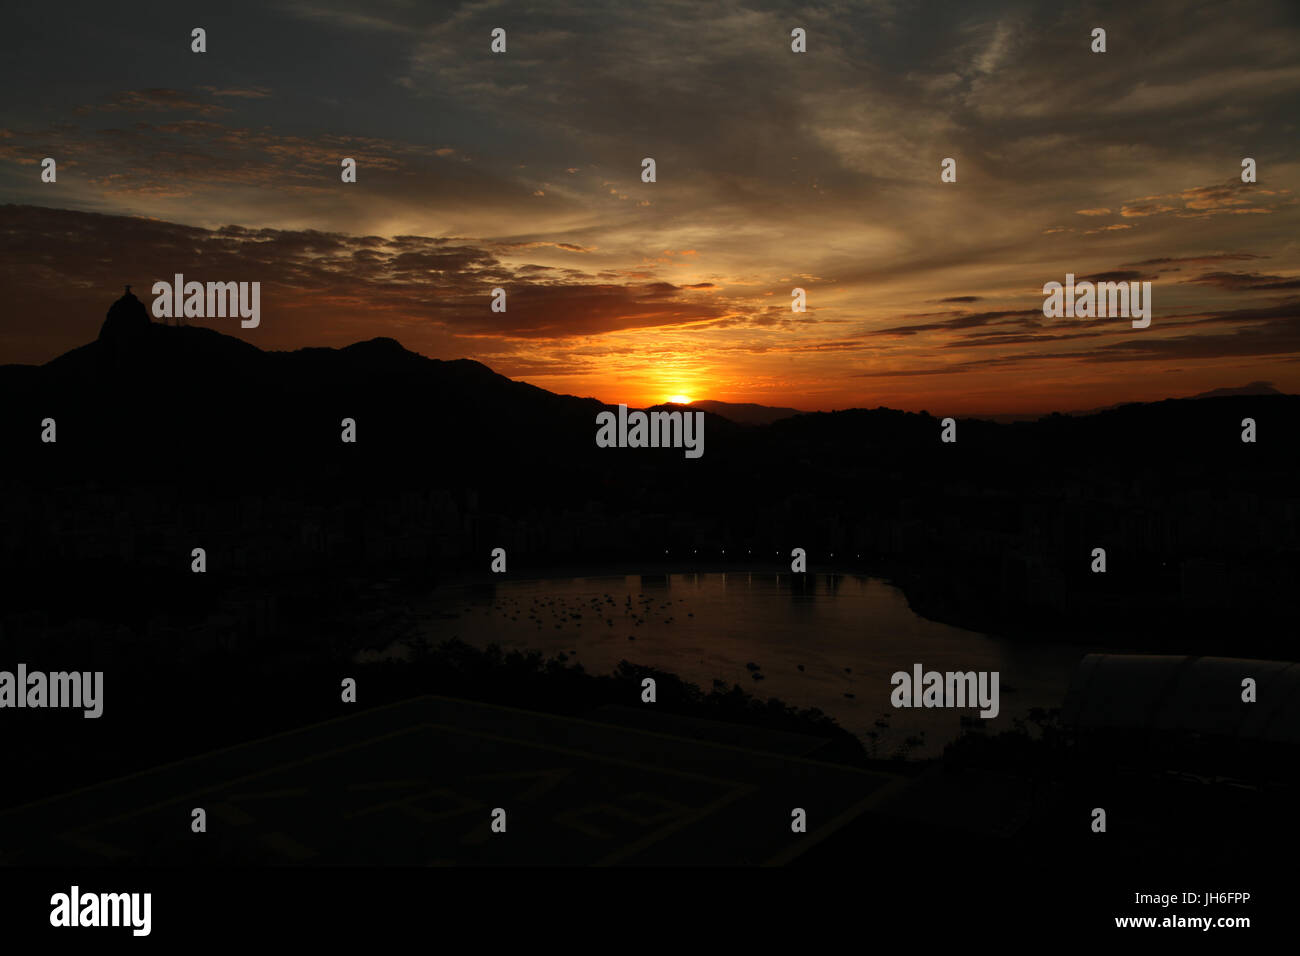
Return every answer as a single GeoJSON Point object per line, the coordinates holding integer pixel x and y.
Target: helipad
{"type": "Point", "coordinates": [417, 782]}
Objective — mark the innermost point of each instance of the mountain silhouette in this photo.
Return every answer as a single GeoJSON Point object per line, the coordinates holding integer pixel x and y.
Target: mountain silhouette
{"type": "Point", "coordinates": [127, 319]}
{"type": "Point", "coordinates": [992, 532]}
{"type": "Point", "coordinates": [745, 413]}
{"type": "Point", "coordinates": [1253, 388]}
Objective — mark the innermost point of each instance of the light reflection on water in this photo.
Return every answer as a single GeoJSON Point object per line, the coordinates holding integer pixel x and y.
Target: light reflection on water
{"type": "Point", "coordinates": [849, 633]}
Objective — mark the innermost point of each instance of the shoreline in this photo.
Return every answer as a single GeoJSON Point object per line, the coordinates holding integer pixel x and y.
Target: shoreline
{"type": "Point", "coordinates": [1148, 630]}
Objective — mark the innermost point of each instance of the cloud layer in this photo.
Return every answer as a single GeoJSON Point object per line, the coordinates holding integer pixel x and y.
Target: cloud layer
{"type": "Point", "coordinates": [775, 170]}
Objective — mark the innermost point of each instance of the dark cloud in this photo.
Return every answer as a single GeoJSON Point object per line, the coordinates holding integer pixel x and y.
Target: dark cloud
{"type": "Point", "coordinates": [1169, 260]}
{"type": "Point", "coordinates": [1247, 281]}
{"type": "Point", "coordinates": [1022, 317]}
{"type": "Point", "coordinates": [157, 100]}
{"type": "Point", "coordinates": [1114, 276]}
{"type": "Point", "coordinates": [67, 266]}
{"type": "Point", "coordinates": [1272, 332]}
{"type": "Point", "coordinates": [1279, 335]}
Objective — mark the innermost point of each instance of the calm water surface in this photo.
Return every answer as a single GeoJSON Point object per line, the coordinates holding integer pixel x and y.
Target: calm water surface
{"type": "Point", "coordinates": [849, 634]}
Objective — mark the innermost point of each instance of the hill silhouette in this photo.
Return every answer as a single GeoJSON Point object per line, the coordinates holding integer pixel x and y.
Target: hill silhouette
{"type": "Point", "coordinates": [127, 319]}
{"type": "Point", "coordinates": [1253, 388]}
{"type": "Point", "coordinates": [745, 413]}
{"type": "Point", "coordinates": [161, 441]}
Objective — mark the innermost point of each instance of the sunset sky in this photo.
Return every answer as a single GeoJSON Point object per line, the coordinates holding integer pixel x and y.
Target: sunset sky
{"type": "Point", "coordinates": [775, 170]}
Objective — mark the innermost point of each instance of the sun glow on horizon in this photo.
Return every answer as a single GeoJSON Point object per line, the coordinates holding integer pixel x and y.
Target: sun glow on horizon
{"type": "Point", "coordinates": [679, 399]}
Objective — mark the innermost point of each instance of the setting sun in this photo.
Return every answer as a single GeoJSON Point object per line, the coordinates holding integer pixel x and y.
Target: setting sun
{"type": "Point", "coordinates": [679, 399]}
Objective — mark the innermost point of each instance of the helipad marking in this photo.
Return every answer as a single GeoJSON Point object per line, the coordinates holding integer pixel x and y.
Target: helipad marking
{"type": "Point", "coordinates": [205, 755]}
{"type": "Point", "coordinates": [119, 818]}
{"type": "Point", "coordinates": [812, 839]}
{"type": "Point", "coordinates": [650, 839]}
{"type": "Point", "coordinates": [583, 754]}
{"type": "Point", "coordinates": [885, 784]}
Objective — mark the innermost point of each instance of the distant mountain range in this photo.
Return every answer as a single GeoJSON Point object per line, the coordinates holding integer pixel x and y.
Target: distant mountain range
{"type": "Point", "coordinates": [168, 435]}
{"type": "Point", "coordinates": [1248, 390]}
{"type": "Point", "coordinates": [197, 384]}
{"type": "Point", "coordinates": [1253, 388]}
{"type": "Point", "coordinates": [746, 413]}
{"type": "Point", "coordinates": [134, 353]}
{"type": "Point", "coordinates": [155, 402]}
